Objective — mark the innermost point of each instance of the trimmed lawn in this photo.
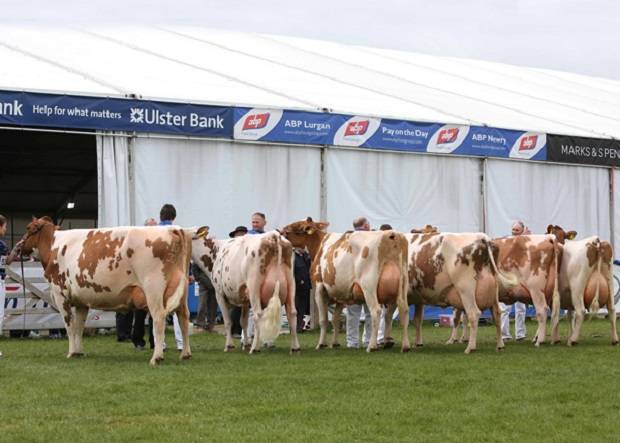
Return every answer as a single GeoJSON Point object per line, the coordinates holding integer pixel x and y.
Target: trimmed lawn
{"type": "Point", "coordinates": [434, 393]}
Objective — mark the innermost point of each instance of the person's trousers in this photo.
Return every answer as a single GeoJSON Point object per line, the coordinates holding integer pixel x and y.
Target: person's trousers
{"type": "Point", "coordinates": [2, 302]}
{"type": "Point", "coordinates": [123, 325]}
{"type": "Point", "coordinates": [178, 335]}
{"type": "Point", "coordinates": [207, 308]}
{"type": "Point", "coordinates": [137, 334]}
{"type": "Point", "coordinates": [520, 331]}
{"type": "Point", "coordinates": [235, 318]}
{"type": "Point", "coordinates": [354, 313]}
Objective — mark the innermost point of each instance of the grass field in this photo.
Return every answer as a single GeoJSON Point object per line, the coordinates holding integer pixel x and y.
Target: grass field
{"type": "Point", "coordinates": [435, 393]}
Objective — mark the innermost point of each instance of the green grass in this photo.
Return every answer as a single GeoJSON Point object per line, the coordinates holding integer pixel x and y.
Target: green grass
{"type": "Point", "coordinates": [436, 393]}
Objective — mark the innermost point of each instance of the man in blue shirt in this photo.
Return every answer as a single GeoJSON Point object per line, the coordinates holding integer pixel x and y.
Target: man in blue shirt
{"type": "Point", "coordinates": [258, 223]}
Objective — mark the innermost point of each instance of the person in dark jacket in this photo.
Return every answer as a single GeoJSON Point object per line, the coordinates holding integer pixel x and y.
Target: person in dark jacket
{"type": "Point", "coordinates": [302, 286]}
{"type": "Point", "coordinates": [207, 303]}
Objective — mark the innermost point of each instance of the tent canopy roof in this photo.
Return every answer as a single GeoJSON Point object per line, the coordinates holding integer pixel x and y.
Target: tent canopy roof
{"type": "Point", "coordinates": [191, 64]}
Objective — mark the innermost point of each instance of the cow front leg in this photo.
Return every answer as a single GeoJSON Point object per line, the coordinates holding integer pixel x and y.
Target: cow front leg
{"type": "Point", "coordinates": [336, 318]}
{"type": "Point", "coordinates": [225, 309]}
{"type": "Point", "coordinates": [418, 315]}
{"type": "Point", "coordinates": [183, 316]}
{"type": "Point", "coordinates": [64, 308]}
{"type": "Point", "coordinates": [321, 303]}
{"type": "Point", "coordinates": [79, 319]}
{"type": "Point", "coordinates": [456, 321]}
{"type": "Point", "coordinates": [403, 313]}
{"type": "Point", "coordinates": [246, 342]}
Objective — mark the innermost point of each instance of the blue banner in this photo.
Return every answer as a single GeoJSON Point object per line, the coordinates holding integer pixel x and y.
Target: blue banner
{"type": "Point", "coordinates": [114, 114]}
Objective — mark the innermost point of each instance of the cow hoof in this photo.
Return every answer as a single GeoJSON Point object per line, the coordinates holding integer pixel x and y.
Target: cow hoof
{"type": "Point", "coordinates": [295, 351]}
{"type": "Point", "coordinates": [614, 343]}
{"type": "Point", "coordinates": [405, 349]}
{"type": "Point", "coordinates": [469, 351]}
{"type": "Point", "coordinates": [229, 348]}
{"type": "Point", "coordinates": [320, 346]}
{"type": "Point", "coordinates": [572, 343]}
{"type": "Point", "coordinates": [75, 354]}
{"type": "Point", "coordinates": [247, 348]}
{"type": "Point", "coordinates": [555, 342]}
{"type": "Point", "coordinates": [419, 345]}
{"type": "Point", "coordinates": [185, 356]}
{"type": "Point", "coordinates": [500, 348]}
{"type": "Point", "coordinates": [254, 351]}
{"type": "Point", "coordinates": [449, 342]}
{"type": "Point", "coordinates": [335, 345]}
{"type": "Point", "coordinates": [388, 345]}
{"type": "Point", "coordinates": [375, 349]}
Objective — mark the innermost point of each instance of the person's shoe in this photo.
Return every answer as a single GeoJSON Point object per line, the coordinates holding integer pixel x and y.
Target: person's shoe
{"type": "Point", "coordinates": [236, 336]}
{"type": "Point", "coordinates": [521, 338]}
{"type": "Point", "coordinates": [509, 338]}
{"type": "Point", "coordinates": [139, 347]}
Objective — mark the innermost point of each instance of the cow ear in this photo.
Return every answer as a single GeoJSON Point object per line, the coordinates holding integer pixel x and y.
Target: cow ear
{"type": "Point", "coordinates": [34, 218]}
{"type": "Point", "coordinates": [571, 235]}
{"type": "Point", "coordinates": [322, 225]}
{"type": "Point", "coordinates": [549, 229]}
{"type": "Point", "coordinates": [47, 218]}
{"type": "Point", "coordinates": [202, 232]}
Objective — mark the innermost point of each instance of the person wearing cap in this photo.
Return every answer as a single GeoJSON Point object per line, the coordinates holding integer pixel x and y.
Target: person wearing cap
{"type": "Point", "coordinates": [235, 312]}
{"type": "Point", "coordinates": [238, 232]}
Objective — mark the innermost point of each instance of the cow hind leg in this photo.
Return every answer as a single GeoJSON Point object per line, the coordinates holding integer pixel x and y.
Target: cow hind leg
{"type": "Point", "coordinates": [183, 316]}
{"type": "Point", "coordinates": [374, 307]}
{"type": "Point", "coordinates": [578, 314]}
{"type": "Point", "coordinates": [336, 318]}
{"type": "Point", "coordinates": [66, 311]}
{"type": "Point", "coordinates": [497, 318]}
{"type": "Point", "coordinates": [388, 340]}
{"type": "Point", "coordinates": [158, 317]}
{"type": "Point", "coordinates": [611, 312]}
{"type": "Point", "coordinates": [467, 293]}
{"type": "Point", "coordinates": [246, 343]}
{"type": "Point", "coordinates": [538, 298]}
{"type": "Point", "coordinates": [291, 315]}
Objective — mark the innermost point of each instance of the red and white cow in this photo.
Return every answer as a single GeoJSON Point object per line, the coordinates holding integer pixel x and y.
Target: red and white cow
{"type": "Point", "coordinates": [585, 282]}
{"type": "Point", "coordinates": [533, 259]}
{"type": "Point", "coordinates": [456, 270]}
{"type": "Point", "coordinates": [353, 268]}
{"type": "Point", "coordinates": [252, 271]}
{"type": "Point", "coordinates": [113, 269]}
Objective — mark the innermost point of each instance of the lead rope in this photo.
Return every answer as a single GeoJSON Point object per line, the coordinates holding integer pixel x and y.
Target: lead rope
{"type": "Point", "coordinates": [21, 260]}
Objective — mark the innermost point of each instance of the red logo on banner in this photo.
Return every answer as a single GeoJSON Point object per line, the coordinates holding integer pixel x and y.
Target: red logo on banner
{"type": "Point", "coordinates": [356, 128]}
{"type": "Point", "coordinates": [528, 143]}
{"type": "Point", "coordinates": [447, 135]}
{"type": "Point", "coordinates": [256, 121]}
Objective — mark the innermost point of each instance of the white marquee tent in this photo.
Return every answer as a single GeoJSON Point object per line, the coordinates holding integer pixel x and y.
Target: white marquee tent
{"type": "Point", "coordinates": [221, 182]}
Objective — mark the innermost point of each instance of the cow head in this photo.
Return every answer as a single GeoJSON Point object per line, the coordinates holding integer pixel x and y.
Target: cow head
{"type": "Point", "coordinates": [306, 234]}
{"type": "Point", "coordinates": [32, 239]}
{"type": "Point", "coordinates": [560, 234]}
{"type": "Point", "coordinates": [427, 229]}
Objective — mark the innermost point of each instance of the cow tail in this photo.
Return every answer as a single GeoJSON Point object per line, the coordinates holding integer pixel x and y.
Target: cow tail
{"type": "Point", "coordinates": [508, 280]}
{"type": "Point", "coordinates": [269, 322]}
{"type": "Point", "coordinates": [555, 300]}
{"type": "Point", "coordinates": [594, 307]}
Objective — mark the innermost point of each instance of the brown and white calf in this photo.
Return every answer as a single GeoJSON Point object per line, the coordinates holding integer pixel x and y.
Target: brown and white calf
{"type": "Point", "coordinates": [457, 270]}
{"type": "Point", "coordinates": [533, 260]}
{"type": "Point", "coordinates": [252, 271]}
{"type": "Point", "coordinates": [354, 268]}
{"type": "Point", "coordinates": [585, 282]}
{"type": "Point", "coordinates": [113, 269]}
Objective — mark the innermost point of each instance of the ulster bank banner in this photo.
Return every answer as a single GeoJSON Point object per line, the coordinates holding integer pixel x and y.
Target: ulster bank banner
{"type": "Point", "coordinates": [113, 114]}
{"type": "Point", "coordinates": [369, 132]}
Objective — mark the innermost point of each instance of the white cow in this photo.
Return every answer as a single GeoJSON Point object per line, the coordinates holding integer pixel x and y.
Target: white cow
{"type": "Point", "coordinates": [252, 271]}
{"type": "Point", "coordinates": [353, 268]}
{"type": "Point", "coordinates": [113, 269]}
